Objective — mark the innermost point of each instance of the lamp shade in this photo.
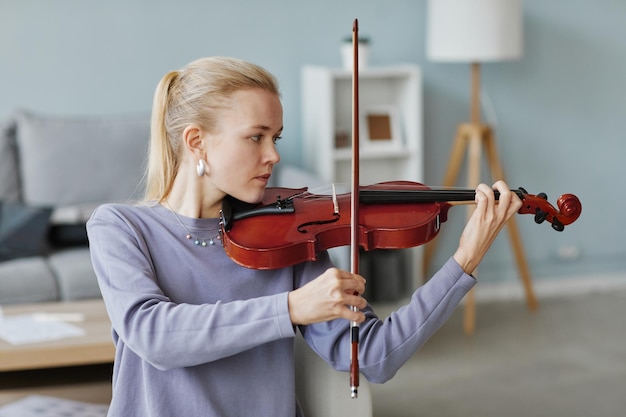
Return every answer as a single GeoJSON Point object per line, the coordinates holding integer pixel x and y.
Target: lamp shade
{"type": "Point", "coordinates": [474, 30]}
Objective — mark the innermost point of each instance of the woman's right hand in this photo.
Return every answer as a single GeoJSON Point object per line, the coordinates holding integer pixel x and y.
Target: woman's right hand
{"type": "Point", "coordinates": [327, 298]}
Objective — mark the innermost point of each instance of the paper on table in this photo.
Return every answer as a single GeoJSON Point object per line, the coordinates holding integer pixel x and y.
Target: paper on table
{"type": "Point", "coordinates": [32, 328]}
{"type": "Point", "coordinates": [44, 406]}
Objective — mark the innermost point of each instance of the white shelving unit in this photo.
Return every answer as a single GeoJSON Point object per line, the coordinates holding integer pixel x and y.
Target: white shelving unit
{"type": "Point", "coordinates": [327, 128]}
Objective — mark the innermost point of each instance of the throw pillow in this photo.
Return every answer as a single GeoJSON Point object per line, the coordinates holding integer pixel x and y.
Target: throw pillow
{"type": "Point", "coordinates": [68, 161]}
{"type": "Point", "coordinates": [23, 230]}
{"type": "Point", "coordinates": [64, 235]}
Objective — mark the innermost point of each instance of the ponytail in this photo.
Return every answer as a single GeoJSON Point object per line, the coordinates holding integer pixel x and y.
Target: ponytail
{"type": "Point", "coordinates": [162, 159]}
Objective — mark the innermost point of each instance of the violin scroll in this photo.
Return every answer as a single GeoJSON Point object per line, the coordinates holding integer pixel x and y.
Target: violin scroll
{"type": "Point", "coordinates": [569, 209]}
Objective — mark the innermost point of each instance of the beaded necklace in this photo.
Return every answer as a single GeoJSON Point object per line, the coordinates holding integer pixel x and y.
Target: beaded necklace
{"type": "Point", "coordinates": [198, 241]}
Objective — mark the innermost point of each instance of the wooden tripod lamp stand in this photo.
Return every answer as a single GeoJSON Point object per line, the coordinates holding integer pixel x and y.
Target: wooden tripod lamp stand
{"type": "Point", "coordinates": [475, 31]}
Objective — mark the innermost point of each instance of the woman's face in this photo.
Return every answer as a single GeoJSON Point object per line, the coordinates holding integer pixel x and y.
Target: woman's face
{"type": "Point", "coordinates": [241, 153]}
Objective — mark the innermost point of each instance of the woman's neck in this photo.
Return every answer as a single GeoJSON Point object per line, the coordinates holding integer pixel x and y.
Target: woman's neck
{"type": "Point", "coordinates": [193, 198]}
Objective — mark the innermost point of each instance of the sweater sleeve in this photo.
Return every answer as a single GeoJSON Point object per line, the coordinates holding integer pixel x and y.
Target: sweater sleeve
{"type": "Point", "coordinates": [164, 333]}
{"type": "Point", "coordinates": [385, 345]}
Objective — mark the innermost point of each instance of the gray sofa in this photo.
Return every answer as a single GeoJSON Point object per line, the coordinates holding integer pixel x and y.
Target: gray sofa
{"type": "Point", "coordinates": [53, 172]}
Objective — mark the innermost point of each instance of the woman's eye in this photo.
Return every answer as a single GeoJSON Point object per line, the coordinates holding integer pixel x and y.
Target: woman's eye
{"type": "Point", "coordinates": [259, 138]}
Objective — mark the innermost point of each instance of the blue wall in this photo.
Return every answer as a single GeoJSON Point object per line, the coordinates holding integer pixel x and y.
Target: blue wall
{"type": "Point", "coordinates": [559, 112]}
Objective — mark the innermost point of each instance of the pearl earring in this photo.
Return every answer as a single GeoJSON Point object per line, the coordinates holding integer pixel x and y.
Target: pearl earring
{"type": "Point", "coordinates": [201, 168]}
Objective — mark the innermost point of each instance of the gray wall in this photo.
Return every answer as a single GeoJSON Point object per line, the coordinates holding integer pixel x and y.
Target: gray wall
{"type": "Point", "coordinates": [558, 112]}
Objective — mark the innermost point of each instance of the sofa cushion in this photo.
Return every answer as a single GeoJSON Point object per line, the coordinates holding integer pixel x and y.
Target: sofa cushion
{"type": "Point", "coordinates": [23, 230]}
{"type": "Point", "coordinates": [74, 274]}
{"type": "Point", "coordinates": [27, 280]}
{"type": "Point", "coordinates": [9, 181]}
{"type": "Point", "coordinates": [68, 161]}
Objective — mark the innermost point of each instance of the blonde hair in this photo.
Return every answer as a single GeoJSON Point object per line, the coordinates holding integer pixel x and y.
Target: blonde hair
{"type": "Point", "coordinates": [193, 94]}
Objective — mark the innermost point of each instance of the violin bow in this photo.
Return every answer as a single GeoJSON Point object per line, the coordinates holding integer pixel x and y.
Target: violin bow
{"type": "Point", "coordinates": [354, 223]}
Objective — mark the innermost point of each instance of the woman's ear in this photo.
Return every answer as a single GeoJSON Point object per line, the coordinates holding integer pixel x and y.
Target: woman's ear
{"type": "Point", "coordinates": [192, 137]}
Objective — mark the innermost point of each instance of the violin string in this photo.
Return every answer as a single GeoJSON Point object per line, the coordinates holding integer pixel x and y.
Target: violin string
{"type": "Point", "coordinates": [429, 194]}
{"type": "Point", "coordinates": [343, 188]}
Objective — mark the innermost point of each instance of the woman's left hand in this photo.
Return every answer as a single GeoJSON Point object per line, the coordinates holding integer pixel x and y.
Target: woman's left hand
{"type": "Point", "coordinates": [482, 228]}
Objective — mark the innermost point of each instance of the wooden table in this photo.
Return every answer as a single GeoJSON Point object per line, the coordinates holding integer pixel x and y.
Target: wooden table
{"type": "Point", "coordinates": [96, 346]}
{"type": "Point", "coordinates": [73, 368]}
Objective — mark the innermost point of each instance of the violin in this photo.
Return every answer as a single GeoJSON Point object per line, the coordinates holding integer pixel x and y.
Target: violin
{"type": "Point", "coordinates": [290, 226]}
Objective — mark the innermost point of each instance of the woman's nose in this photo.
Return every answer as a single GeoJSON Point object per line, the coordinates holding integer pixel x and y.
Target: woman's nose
{"type": "Point", "coordinates": [271, 153]}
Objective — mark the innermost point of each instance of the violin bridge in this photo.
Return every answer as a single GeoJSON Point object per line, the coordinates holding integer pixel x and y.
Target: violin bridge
{"type": "Point", "coordinates": [335, 203]}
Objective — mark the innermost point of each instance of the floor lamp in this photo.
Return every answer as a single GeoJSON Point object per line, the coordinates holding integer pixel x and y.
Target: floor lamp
{"type": "Point", "coordinates": [477, 31]}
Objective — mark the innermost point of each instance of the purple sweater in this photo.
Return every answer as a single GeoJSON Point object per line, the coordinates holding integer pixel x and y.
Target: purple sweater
{"type": "Point", "coordinates": [196, 334]}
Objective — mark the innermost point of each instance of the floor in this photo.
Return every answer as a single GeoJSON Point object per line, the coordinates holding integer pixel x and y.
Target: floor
{"type": "Point", "coordinates": [566, 359]}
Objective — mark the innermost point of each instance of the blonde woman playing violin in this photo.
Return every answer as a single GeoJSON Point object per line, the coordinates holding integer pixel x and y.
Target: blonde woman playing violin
{"type": "Point", "coordinates": [197, 334]}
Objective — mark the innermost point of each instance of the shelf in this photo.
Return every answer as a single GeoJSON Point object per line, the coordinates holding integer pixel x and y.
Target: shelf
{"type": "Point", "coordinates": [345, 154]}
{"type": "Point", "coordinates": [327, 116]}
{"type": "Point", "coordinates": [370, 72]}
{"type": "Point", "coordinates": [395, 91]}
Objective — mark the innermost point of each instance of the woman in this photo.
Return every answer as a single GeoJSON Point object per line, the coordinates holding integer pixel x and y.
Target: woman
{"type": "Point", "coordinates": [195, 333]}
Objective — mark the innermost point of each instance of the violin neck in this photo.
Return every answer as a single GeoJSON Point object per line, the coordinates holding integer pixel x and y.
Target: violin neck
{"type": "Point", "coordinates": [458, 196]}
